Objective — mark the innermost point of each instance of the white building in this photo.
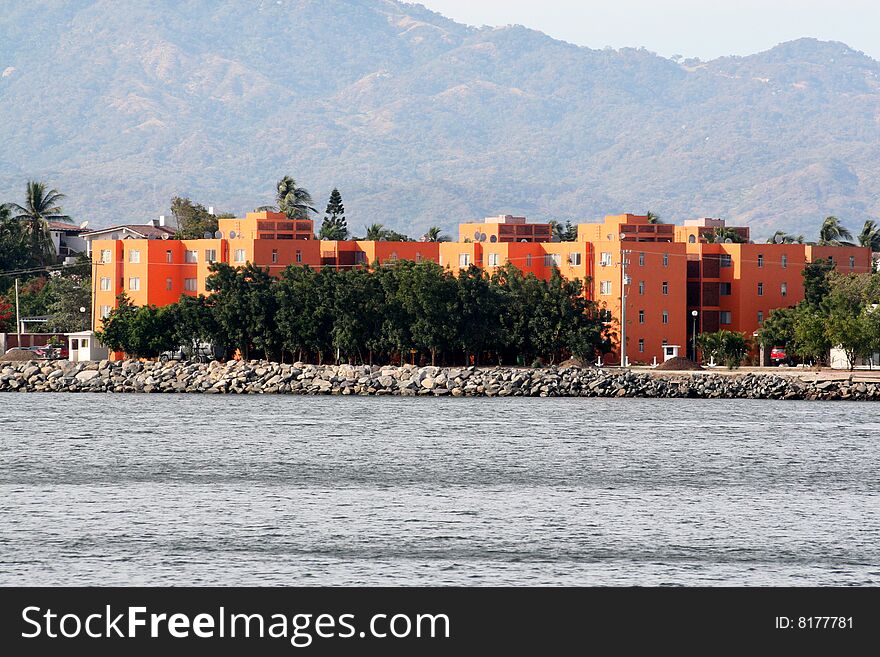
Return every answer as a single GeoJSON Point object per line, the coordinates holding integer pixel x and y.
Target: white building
{"type": "Point", "coordinates": [83, 345]}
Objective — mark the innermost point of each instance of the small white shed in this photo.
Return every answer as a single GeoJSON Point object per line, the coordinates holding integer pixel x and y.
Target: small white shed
{"type": "Point", "coordinates": [670, 351]}
{"type": "Point", "coordinates": [83, 345]}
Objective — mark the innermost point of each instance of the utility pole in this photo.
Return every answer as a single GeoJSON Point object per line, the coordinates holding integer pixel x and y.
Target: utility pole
{"type": "Point", "coordinates": [624, 279]}
{"type": "Point", "coordinates": [17, 315]}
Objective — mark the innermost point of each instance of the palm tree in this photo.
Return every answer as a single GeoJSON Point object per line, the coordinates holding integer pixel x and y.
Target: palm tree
{"type": "Point", "coordinates": [781, 237]}
{"type": "Point", "coordinates": [723, 234]}
{"type": "Point", "coordinates": [434, 234]}
{"type": "Point", "coordinates": [295, 202]}
{"type": "Point", "coordinates": [833, 233]}
{"type": "Point", "coordinates": [653, 218]}
{"type": "Point", "coordinates": [375, 233]}
{"type": "Point", "coordinates": [39, 209]}
{"type": "Point", "coordinates": [870, 236]}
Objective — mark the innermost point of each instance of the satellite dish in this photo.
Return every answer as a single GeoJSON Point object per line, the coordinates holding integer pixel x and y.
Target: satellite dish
{"type": "Point", "coordinates": [482, 237]}
{"type": "Point", "coordinates": [232, 234]}
{"type": "Point", "coordinates": [165, 236]}
{"type": "Point", "coordinates": [622, 236]}
{"type": "Point", "coordinates": [218, 234]}
{"type": "Point", "coordinates": [728, 241]}
{"type": "Point", "coordinates": [524, 240]}
{"type": "Point", "coordinates": [84, 224]}
{"type": "Point", "coordinates": [609, 237]}
{"type": "Point", "coordinates": [207, 235]}
{"type": "Point", "coordinates": [493, 238]}
{"type": "Point", "coordinates": [476, 236]}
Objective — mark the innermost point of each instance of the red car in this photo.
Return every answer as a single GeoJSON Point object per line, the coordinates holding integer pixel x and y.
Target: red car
{"type": "Point", "coordinates": [778, 353]}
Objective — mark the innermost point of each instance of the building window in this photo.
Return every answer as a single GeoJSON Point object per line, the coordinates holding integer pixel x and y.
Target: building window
{"type": "Point", "coordinates": [760, 261]}
{"type": "Point", "coordinates": [418, 256]}
{"type": "Point", "coordinates": [464, 259]}
{"type": "Point", "coordinates": [134, 284]}
{"type": "Point", "coordinates": [274, 255]}
{"type": "Point", "coordinates": [665, 259]}
{"type": "Point", "coordinates": [641, 317]}
{"type": "Point", "coordinates": [641, 287]}
{"type": "Point", "coordinates": [760, 317]}
{"type": "Point", "coordinates": [784, 261]}
{"type": "Point", "coordinates": [641, 345]}
{"type": "Point", "coordinates": [239, 255]}
{"type": "Point", "coordinates": [493, 259]}
{"type": "Point", "coordinates": [605, 259]}
{"type": "Point", "coordinates": [725, 317]}
{"type": "Point", "coordinates": [134, 256]}
{"type": "Point", "coordinates": [831, 259]}
{"type": "Point", "coordinates": [299, 256]}
{"type": "Point", "coordinates": [852, 262]}
{"type": "Point", "coordinates": [528, 259]}
{"type": "Point", "coordinates": [84, 343]}
{"type": "Point", "coordinates": [760, 289]}
{"type": "Point", "coordinates": [105, 284]}
{"type": "Point", "coordinates": [393, 257]}
{"type": "Point", "coordinates": [605, 288]}
{"type": "Point", "coordinates": [169, 257]}
{"type": "Point", "coordinates": [665, 316]}
{"type": "Point", "coordinates": [190, 284]}
{"type": "Point", "coordinates": [665, 342]}
{"type": "Point", "coordinates": [169, 284]}
{"type": "Point", "coordinates": [105, 312]}
{"type": "Point", "coordinates": [664, 287]}
{"type": "Point", "coordinates": [725, 260]}
{"type": "Point", "coordinates": [552, 260]}
{"type": "Point", "coordinates": [783, 289]}
{"type": "Point", "coordinates": [191, 256]}
{"type": "Point", "coordinates": [641, 260]}
{"type": "Point", "coordinates": [106, 255]}
{"type": "Point", "coordinates": [724, 289]}
{"type": "Point", "coordinates": [574, 259]}
{"type": "Point", "coordinates": [210, 255]}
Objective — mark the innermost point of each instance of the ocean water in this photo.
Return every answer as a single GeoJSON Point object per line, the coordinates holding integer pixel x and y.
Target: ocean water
{"type": "Point", "coordinates": [102, 489]}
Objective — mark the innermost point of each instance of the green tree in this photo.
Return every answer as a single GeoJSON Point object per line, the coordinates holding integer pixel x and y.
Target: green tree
{"type": "Point", "coordinates": [295, 202]}
{"type": "Point", "coordinates": [781, 237]}
{"type": "Point", "coordinates": [70, 293]}
{"type": "Point", "coordinates": [816, 281]}
{"type": "Point", "coordinates": [334, 226]}
{"type": "Point", "coordinates": [116, 327]}
{"type": "Point", "coordinates": [435, 234]}
{"type": "Point", "coordinates": [653, 218]}
{"type": "Point", "coordinates": [478, 313]}
{"type": "Point", "coordinates": [40, 207]}
{"type": "Point", "coordinates": [722, 234]}
{"type": "Point", "coordinates": [833, 233]}
{"type": "Point", "coordinates": [358, 308]}
{"type": "Point", "coordinates": [194, 323]}
{"type": "Point", "coordinates": [15, 251]}
{"type": "Point", "coordinates": [870, 236]}
{"type": "Point", "coordinates": [428, 293]}
{"type": "Point", "coordinates": [375, 232]}
{"type": "Point", "coordinates": [231, 307]}
{"type": "Point", "coordinates": [778, 328]}
{"type": "Point", "coordinates": [728, 347]}
{"type": "Point", "coordinates": [811, 334]}
{"type": "Point", "coordinates": [192, 219]}
{"type": "Point", "coordinates": [305, 300]}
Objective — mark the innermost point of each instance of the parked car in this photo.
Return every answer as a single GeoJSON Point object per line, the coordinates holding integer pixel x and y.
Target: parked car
{"type": "Point", "coordinates": [205, 353]}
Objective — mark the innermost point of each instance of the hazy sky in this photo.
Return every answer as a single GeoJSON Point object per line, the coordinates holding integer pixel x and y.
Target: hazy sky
{"type": "Point", "coordinates": [693, 28]}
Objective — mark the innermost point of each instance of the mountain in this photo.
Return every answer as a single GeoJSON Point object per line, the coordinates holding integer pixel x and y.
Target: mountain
{"type": "Point", "coordinates": [420, 120]}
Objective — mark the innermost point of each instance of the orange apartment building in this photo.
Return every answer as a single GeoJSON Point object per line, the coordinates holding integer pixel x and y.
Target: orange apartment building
{"type": "Point", "coordinates": [669, 270]}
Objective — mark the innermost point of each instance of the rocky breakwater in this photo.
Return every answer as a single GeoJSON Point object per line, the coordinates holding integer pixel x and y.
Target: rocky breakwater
{"type": "Point", "coordinates": [259, 377]}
